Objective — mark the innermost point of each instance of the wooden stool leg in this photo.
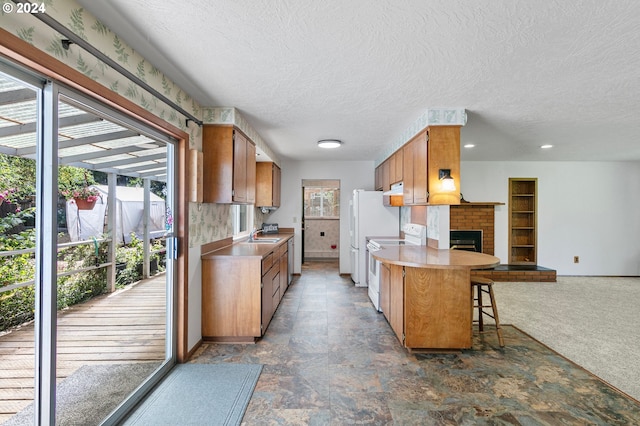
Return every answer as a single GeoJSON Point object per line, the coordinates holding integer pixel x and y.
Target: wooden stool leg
{"type": "Point", "coordinates": [480, 311]}
{"type": "Point", "coordinates": [495, 316]}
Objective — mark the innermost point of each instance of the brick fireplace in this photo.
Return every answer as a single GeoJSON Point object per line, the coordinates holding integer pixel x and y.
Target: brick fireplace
{"type": "Point", "coordinates": [481, 217]}
{"type": "Point", "coordinates": [473, 217]}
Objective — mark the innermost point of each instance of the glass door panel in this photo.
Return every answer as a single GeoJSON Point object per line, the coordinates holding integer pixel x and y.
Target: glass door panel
{"type": "Point", "coordinates": [18, 133]}
{"type": "Point", "coordinates": [112, 302]}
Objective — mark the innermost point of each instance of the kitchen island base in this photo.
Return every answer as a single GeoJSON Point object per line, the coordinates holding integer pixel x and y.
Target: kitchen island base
{"type": "Point", "coordinates": [430, 308]}
{"type": "Point", "coordinates": [425, 294]}
{"type": "Point", "coordinates": [438, 308]}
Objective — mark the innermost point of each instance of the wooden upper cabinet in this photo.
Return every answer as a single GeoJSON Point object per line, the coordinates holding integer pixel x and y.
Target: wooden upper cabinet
{"type": "Point", "coordinates": [392, 169]}
{"type": "Point", "coordinates": [395, 167]}
{"type": "Point", "coordinates": [398, 167]}
{"type": "Point", "coordinates": [407, 173]}
{"type": "Point", "coordinates": [277, 186]}
{"type": "Point", "coordinates": [420, 164]}
{"type": "Point", "coordinates": [378, 178]}
{"type": "Point", "coordinates": [385, 177]}
{"type": "Point", "coordinates": [443, 153]}
{"type": "Point", "coordinates": [250, 183]}
{"type": "Point", "coordinates": [268, 181]}
{"type": "Point", "coordinates": [417, 165]}
{"type": "Point", "coordinates": [239, 165]}
{"type": "Point", "coordinates": [229, 172]}
{"type": "Point", "coordinates": [386, 183]}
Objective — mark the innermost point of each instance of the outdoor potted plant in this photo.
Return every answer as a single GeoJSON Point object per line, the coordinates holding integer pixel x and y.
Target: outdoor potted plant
{"type": "Point", "coordinates": [85, 197]}
{"type": "Point", "coordinates": [78, 188]}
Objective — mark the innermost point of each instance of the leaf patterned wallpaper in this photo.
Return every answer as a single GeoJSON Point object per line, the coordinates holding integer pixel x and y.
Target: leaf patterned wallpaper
{"type": "Point", "coordinates": [207, 222]}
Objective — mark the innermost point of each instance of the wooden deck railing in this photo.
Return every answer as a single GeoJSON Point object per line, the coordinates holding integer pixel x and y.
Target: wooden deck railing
{"type": "Point", "coordinates": [68, 272]}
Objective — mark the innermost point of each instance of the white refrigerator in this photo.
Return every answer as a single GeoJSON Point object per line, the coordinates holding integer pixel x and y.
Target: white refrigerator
{"type": "Point", "coordinates": [368, 217]}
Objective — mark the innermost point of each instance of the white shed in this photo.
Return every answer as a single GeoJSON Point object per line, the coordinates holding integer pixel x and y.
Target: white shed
{"type": "Point", "coordinates": [84, 224]}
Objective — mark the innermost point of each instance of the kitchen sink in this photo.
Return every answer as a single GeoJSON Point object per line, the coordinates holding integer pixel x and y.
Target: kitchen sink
{"type": "Point", "coordinates": [264, 241]}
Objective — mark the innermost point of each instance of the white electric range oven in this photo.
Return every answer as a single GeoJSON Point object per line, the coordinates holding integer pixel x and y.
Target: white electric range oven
{"type": "Point", "coordinates": [414, 234]}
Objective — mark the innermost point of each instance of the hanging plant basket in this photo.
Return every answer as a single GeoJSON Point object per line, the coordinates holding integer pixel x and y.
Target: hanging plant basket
{"type": "Point", "coordinates": [84, 204]}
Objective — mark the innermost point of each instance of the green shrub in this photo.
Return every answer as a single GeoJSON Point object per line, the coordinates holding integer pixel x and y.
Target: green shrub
{"type": "Point", "coordinates": [130, 258]}
{"type": "Point", "coordinates": [82, 286]}
{"type": "Point", "coordinates": [18, 306]}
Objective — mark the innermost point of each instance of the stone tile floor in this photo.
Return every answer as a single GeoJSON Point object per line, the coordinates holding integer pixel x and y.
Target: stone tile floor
{"type": "Point", "coordinates": [329, 358]}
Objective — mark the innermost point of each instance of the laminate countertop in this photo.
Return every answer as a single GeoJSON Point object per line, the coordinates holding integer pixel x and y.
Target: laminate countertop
{"type": "Point", "coordinates": [247, 249]}
{"type": "Point", "coordinates": [427, 257]}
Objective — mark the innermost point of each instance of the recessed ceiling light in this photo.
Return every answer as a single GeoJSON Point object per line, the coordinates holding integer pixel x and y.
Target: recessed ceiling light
{"type": "Point", "coordinates": [469, 145]}
{"type": "Point", "coordinates": [329, 143]}
{"type": "Point", "coordinates": [547, 146]}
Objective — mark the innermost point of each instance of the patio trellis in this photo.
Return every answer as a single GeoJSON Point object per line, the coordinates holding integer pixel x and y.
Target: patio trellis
{"type": "Point", "coordinates": [87, 139]}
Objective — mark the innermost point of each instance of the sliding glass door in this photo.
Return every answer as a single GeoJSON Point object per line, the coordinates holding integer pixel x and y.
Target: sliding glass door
{"type": "Point", "coordinates": [104, 323]}
{"type": "Point", "coordinates": [20, 117]}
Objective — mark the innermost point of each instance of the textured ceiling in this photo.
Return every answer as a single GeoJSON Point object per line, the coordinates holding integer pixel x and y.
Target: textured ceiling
{"type": "Point", "coordinates": [565, 73]}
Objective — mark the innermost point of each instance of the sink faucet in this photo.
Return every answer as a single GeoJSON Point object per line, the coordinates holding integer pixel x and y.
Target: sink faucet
{"type": "Point", "coordinates": [252, 235]}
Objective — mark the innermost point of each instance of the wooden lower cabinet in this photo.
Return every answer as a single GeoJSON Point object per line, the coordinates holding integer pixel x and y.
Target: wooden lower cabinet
{"type": "Point", "coordinates": [385, 288]}
{"type": "Point", "coordinates": [396, 301]}
{"type": "Point", "coordinates": [240, 294]}
{"type": "Point", "coordinates": [231, 298]}
{"type": "Point", "coordinates": [284, 270]}
{"type": "Point", "coordinates": [430, 308]}
{"type": "Point", "coordinates": [269, 303]}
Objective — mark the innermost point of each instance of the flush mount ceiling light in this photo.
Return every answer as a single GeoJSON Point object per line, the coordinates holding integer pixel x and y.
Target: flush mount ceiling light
{"type": "Point", "coordinates": [329, 143]}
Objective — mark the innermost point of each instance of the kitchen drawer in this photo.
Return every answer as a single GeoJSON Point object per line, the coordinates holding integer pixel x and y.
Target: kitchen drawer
{"type": "Point", "coordinates": [275, 299]}
{"type": "Point", "coordinates": [275, 285]}
{"type": "Point", "coordinates": [267, 261]}
{"type": "Point", "coordinates": [282, 250]}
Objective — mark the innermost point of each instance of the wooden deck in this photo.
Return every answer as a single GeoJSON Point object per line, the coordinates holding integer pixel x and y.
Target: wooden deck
{"type": "Point", "coordinates": [123, 327]}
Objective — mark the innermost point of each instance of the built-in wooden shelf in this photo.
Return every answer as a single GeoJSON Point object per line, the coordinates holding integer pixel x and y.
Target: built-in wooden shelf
{"type": "Point", "coordinates": [523, 221]}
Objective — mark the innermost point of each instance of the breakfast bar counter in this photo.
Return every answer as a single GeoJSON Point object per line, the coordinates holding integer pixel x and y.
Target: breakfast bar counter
{"type": "Point", "coordinates": [425, 294]}
{"type": "Point", "coordinates": [427, 257]}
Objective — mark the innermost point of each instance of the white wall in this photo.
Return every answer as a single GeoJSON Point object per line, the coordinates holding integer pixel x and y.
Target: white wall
{"type": "Point", "coordinates": [586, 209]}
{"type": "Point", "coordinates": [352, 175]}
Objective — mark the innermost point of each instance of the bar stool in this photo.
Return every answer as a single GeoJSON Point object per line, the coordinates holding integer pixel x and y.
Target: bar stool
{"type": "Point", "coordinates": [481, 285]}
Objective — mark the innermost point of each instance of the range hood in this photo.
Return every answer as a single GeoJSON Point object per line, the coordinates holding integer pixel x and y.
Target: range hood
{"type": "Point", "coordinates": [396, 189]}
